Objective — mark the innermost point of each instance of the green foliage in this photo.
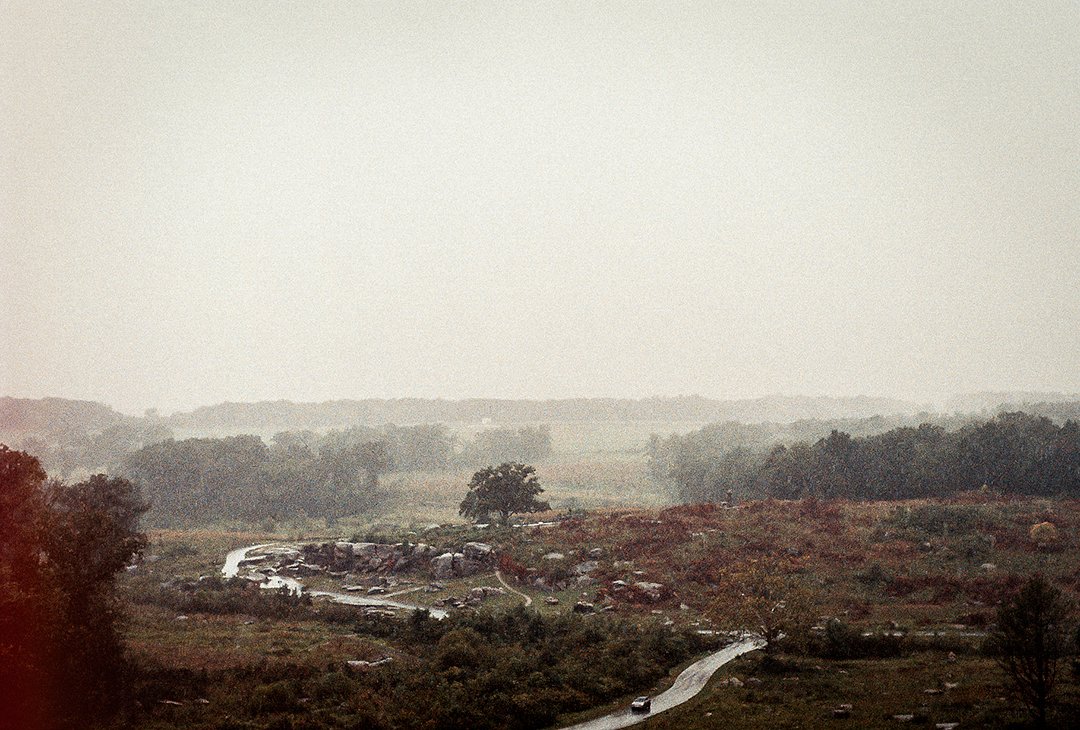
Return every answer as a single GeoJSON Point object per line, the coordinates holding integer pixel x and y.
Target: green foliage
{"type": "Point", "coordinates": [1013, 452]}
{"type": "Point", "coordinates": [503, 490]}
{"type": "Point", "coordinates": [841, 641]}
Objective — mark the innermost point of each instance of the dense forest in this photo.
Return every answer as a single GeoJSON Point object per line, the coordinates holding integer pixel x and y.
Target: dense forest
{"type": "Point", "coordinates": [1015, 453]}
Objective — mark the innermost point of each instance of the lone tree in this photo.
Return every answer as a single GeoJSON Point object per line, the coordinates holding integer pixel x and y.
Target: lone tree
{"type": "Point", "coordinates": [1029, 642]}
{"type": "Point", "coordinates": [503, 490]}
{"type": "Point", "coordinates": [765, 597]}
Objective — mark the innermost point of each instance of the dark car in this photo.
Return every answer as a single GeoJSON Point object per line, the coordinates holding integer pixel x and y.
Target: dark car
{"type": "Point", "coordinates": [641, 704]}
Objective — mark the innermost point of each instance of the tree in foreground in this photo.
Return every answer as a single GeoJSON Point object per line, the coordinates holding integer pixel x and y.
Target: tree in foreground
{"type": "Point", "coordinates": [61, 662]}
{"type": "Point", "coordinates": [503, 490]}
{"type": "Point", "coordinates": [1029, 642]}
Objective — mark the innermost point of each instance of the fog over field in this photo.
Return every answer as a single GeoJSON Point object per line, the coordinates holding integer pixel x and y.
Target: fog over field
{"type": "Point", "coordinates": [204, 203]}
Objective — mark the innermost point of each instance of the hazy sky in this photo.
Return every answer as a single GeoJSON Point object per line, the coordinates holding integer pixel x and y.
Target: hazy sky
{"type": "Point", "coordinates": [210, 201]}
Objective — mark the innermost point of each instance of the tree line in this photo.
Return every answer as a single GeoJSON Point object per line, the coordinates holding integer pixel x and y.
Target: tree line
{"type": "Point", "coordinates": [1013, 452]}
{"type": "Point", "coordinates": [326, 476]}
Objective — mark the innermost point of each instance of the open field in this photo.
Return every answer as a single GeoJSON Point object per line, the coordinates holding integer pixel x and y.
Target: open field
{"type": "Point", "coordinates": [929, 572]}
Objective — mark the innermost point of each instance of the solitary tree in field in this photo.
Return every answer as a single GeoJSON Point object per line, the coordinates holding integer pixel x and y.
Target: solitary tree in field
{"type": "Point", "coordinates": [1029, 642]}
{"type": "Point", "coordinates": [503, 490]}
{"type": "Point", "coordinates": [766, 599]}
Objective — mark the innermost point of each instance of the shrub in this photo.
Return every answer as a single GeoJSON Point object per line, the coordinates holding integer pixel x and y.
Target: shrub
{"type": "Point", "coordinates": [1044, 533]}
{"type": "Point", "coordinates": [275, 697]}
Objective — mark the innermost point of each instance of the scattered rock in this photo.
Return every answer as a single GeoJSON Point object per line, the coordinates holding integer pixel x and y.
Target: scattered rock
{"type": "Point", "coordinates": [947, 725]}
{"type": "Point", "coordinates": [362, 664]}
{"type": "Point", "coordinates": [903, 718]}
{"type": "Point", "coordinates": [651, 590]}
{"type": "Point", "coordinates": [586, 567]}
{"type": "Point", "coordinates": [376, 590]}
{"type": "Point", "coordinates": [478, 550]}
{"type": "Point", "coordinates": [735, 682]}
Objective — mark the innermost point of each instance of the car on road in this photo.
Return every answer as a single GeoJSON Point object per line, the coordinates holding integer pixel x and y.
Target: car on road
{"type": "Point", "coordinates": [641, 704]}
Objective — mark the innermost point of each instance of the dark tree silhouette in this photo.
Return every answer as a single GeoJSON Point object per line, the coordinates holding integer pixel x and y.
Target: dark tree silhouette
{"type": "Point", "coordinates": [61, 663]}
{"type": "Point", "coordinates": [503, 490]}
{"type": "Point", "coordinates": [1029, 642]}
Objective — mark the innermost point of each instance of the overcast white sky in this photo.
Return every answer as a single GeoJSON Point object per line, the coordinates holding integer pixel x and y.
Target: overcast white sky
{"type": "Point", "coordinates": [202, 201]}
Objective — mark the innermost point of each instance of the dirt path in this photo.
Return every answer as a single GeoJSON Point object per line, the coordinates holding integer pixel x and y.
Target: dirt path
{"type": "Point", "coordinates": [528, 601]}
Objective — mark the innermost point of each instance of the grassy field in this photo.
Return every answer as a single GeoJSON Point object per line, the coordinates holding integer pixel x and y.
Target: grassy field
{"type": "Point", "coordinates": [932, 570]}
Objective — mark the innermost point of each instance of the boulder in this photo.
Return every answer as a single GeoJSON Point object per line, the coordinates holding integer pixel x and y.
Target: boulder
{"type": "Point", "coordinates": [651, 590]}
{"type": "Point", "coordinates": [596, 553]}
{"type": "Point", "coordinates": [443, 566]}
{"type": "Point", "coordinates": [551, 601]}
{"type": "Point", "coordinates": [586, 567]}
{"type": "Point", "coordinates": [478, 550]}
{"type": "Point", "coordinates": [583, 607]}
{"type": "Point", "coordinates": [554, 556]}
{"type": "Point", "coordinates": [483, 592]}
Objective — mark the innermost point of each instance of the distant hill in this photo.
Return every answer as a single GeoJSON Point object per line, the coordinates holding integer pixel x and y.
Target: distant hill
{"type": "Point", "coordinates": [284, 415]}
{"type": "Point", "coordinates": [60, 415]}
{"type": "Point", "coordinates": [55, 415]}
{"type": "Point", "coordinates": [1018, 400]}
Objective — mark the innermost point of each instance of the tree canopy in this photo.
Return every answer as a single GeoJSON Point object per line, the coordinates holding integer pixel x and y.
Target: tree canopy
{"type": "Point", "coordinates": [503, 490]}
{"type": "Point", "coordinates": [60, 548]}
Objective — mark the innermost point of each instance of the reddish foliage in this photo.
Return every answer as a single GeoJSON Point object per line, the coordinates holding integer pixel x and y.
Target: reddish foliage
{"type": "Point", "coordinates": [509, 566]}
{"type": "Point", "coordinates": [989, 590]}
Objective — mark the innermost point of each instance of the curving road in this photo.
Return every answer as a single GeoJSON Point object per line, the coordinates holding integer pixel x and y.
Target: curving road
{"type": "Point", "coordinates": [239, 556]}
{"type": "Point", "coordinates": [687, 685]}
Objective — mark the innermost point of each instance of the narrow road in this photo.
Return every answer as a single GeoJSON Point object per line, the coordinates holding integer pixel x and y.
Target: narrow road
{"type": "Point", "coordinates": [687, 685]}
{"type": "Point", "coordinates": [239, 556]}
{"type": "Point", "coordinates": [528, 601]}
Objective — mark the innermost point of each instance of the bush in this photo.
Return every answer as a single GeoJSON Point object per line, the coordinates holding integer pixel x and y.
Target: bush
{"type": "Point", "coordinates": [841, 641]}
{"type": "Point", "coordinates": [275, 697]}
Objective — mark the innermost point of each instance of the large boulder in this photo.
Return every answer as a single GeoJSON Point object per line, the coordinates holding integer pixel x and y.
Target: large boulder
{"type": "Point", "coordinates": [478, 551]}
{"type": "Point", "coordinates": [442, 566]}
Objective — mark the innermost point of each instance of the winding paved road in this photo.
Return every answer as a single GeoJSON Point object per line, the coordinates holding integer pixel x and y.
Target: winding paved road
{"type": "Point", "coordinates": [239, 556]}
{"type": "Point", "coordinates": [687, 685]}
